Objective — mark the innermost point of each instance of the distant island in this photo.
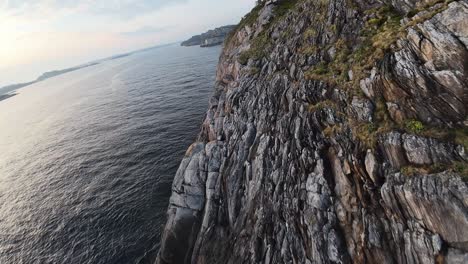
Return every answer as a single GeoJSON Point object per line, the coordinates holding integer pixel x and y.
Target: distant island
{"type": "Point", "coordinates": [210, 38]}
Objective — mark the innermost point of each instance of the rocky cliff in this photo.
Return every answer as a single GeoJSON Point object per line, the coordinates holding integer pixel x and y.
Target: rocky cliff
{"type": "Point", "coordinates": [336, 134]}
{"type": "Point", "coordinates": [210, 38]}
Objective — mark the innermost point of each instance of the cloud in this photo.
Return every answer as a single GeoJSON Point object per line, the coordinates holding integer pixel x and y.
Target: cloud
{"type": "Point", "coordinates": [124, 9]}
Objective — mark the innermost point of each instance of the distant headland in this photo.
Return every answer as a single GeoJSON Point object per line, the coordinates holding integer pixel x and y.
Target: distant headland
{"type": "Point", "coordinates": [210, 38]}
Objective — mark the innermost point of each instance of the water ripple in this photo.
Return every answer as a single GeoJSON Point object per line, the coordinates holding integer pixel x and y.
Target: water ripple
{"type": "Point", "coordinates": [87, 158]}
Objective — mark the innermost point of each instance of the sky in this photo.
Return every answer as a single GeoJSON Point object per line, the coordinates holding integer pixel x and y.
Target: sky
{"type": "Point", "coordinates": [42, 35]}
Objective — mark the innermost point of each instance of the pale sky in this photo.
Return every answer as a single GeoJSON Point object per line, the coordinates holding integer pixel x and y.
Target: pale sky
{"type": "Point", "coordinates": [42, 35]}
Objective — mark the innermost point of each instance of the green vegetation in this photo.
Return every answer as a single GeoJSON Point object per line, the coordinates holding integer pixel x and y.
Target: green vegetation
{"type": "Point", "coordinates": [335, 71]}
{"type": "Point", "coordinates": [457, 135]}
{"type": "Point", "coordinates": [257, 49]}
{"type": "Point", "coordinates": [410, 171]}
{"type": "Point", "coordinates": [260, 44]}
{"type": "Point", "coordinates": [459, 167]}
{"type": "Point", "coordinates": [322, 105]}
{"type": "Point", "coordinates": [321, 68]}
{"type": "Point", "coordinates": [377, 38]}
{"type": "Point", "coordinates": [283, 7]}
{"type": "Point", "coordinates": [310, 33]}
{"type": "Point", "coordinates": [308, 50]}
{"type": "Point", "coordinates": [414, 126]}
{"type": "Point", "coordinates": [378, 35]}
{"type": "Point", "coordinates": [461, 137]}
{"type": "Point", "coordinates": [331, 131]}
{"type": "Point", "coordinates": [427, 6]}
{"type": "Point", "coordinates": [368, 133]}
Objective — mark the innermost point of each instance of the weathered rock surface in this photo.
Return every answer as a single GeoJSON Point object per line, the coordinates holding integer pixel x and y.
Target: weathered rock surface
{"type": "Point", "coordinates": [282, 171]}
{"type": "Point", "coordinates": [210, 38]}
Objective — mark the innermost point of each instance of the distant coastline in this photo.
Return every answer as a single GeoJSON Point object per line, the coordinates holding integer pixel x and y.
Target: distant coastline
{"type": "Point", "coordinates": [6, 96]}
{"type": "Point", "coordinates": [6, 91]}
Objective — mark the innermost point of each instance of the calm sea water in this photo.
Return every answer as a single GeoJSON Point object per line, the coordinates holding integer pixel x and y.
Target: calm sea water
{"type": "Point", "coordinates": [87, 158]}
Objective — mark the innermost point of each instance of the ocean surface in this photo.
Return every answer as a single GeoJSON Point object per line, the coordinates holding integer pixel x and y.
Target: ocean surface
{"type": "Point", "coordinates": [87, 158]}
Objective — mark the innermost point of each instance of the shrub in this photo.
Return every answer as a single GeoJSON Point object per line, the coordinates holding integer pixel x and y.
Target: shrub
{"type": "Point", "coordinates": [414, 126]}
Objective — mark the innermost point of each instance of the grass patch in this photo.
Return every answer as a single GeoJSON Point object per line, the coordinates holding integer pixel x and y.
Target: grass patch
{"type": "Point", "coordinates": [461, 137]}
{"type": "Point", "coordinates": [368, 133]}
{"type": "Point", "coordinates": [426, 6]}
{"type": "Point", "coordinates": [322, 105]}
{"type": "Point", "coordinates": [257, 49]}
{"type": "Point", "coordinates": [377, 36]}
{"type": "Point", "coordinates": [459, 167]}
{"type": "Point", "coordinates": [310, 33]}
{"type": "Point", "coordinates": [336, 71]}
{"type": "Point", "coordinates": [320, 69]}
{"type": "Point", "coordinates": [410, 171]}
{"type": "Point", "coordinates": [458, 136]}
{"type": "Point", "coordinates": [331, 131]}
{"type": "Point", "coordinates": [308, 50]}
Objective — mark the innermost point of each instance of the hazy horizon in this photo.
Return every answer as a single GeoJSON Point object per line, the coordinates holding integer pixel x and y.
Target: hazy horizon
{"type": "Point", "coordinates": [45, 35]}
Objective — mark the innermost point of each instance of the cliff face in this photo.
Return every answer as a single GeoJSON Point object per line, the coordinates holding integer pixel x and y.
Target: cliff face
{"type": "Point", "coordinates": [336, 134]}
{"type": "Point", "coordinates": [210, 38]}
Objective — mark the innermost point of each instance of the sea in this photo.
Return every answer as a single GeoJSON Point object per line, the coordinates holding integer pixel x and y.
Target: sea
{"type": "Point", "coordinates": [87, 158]}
